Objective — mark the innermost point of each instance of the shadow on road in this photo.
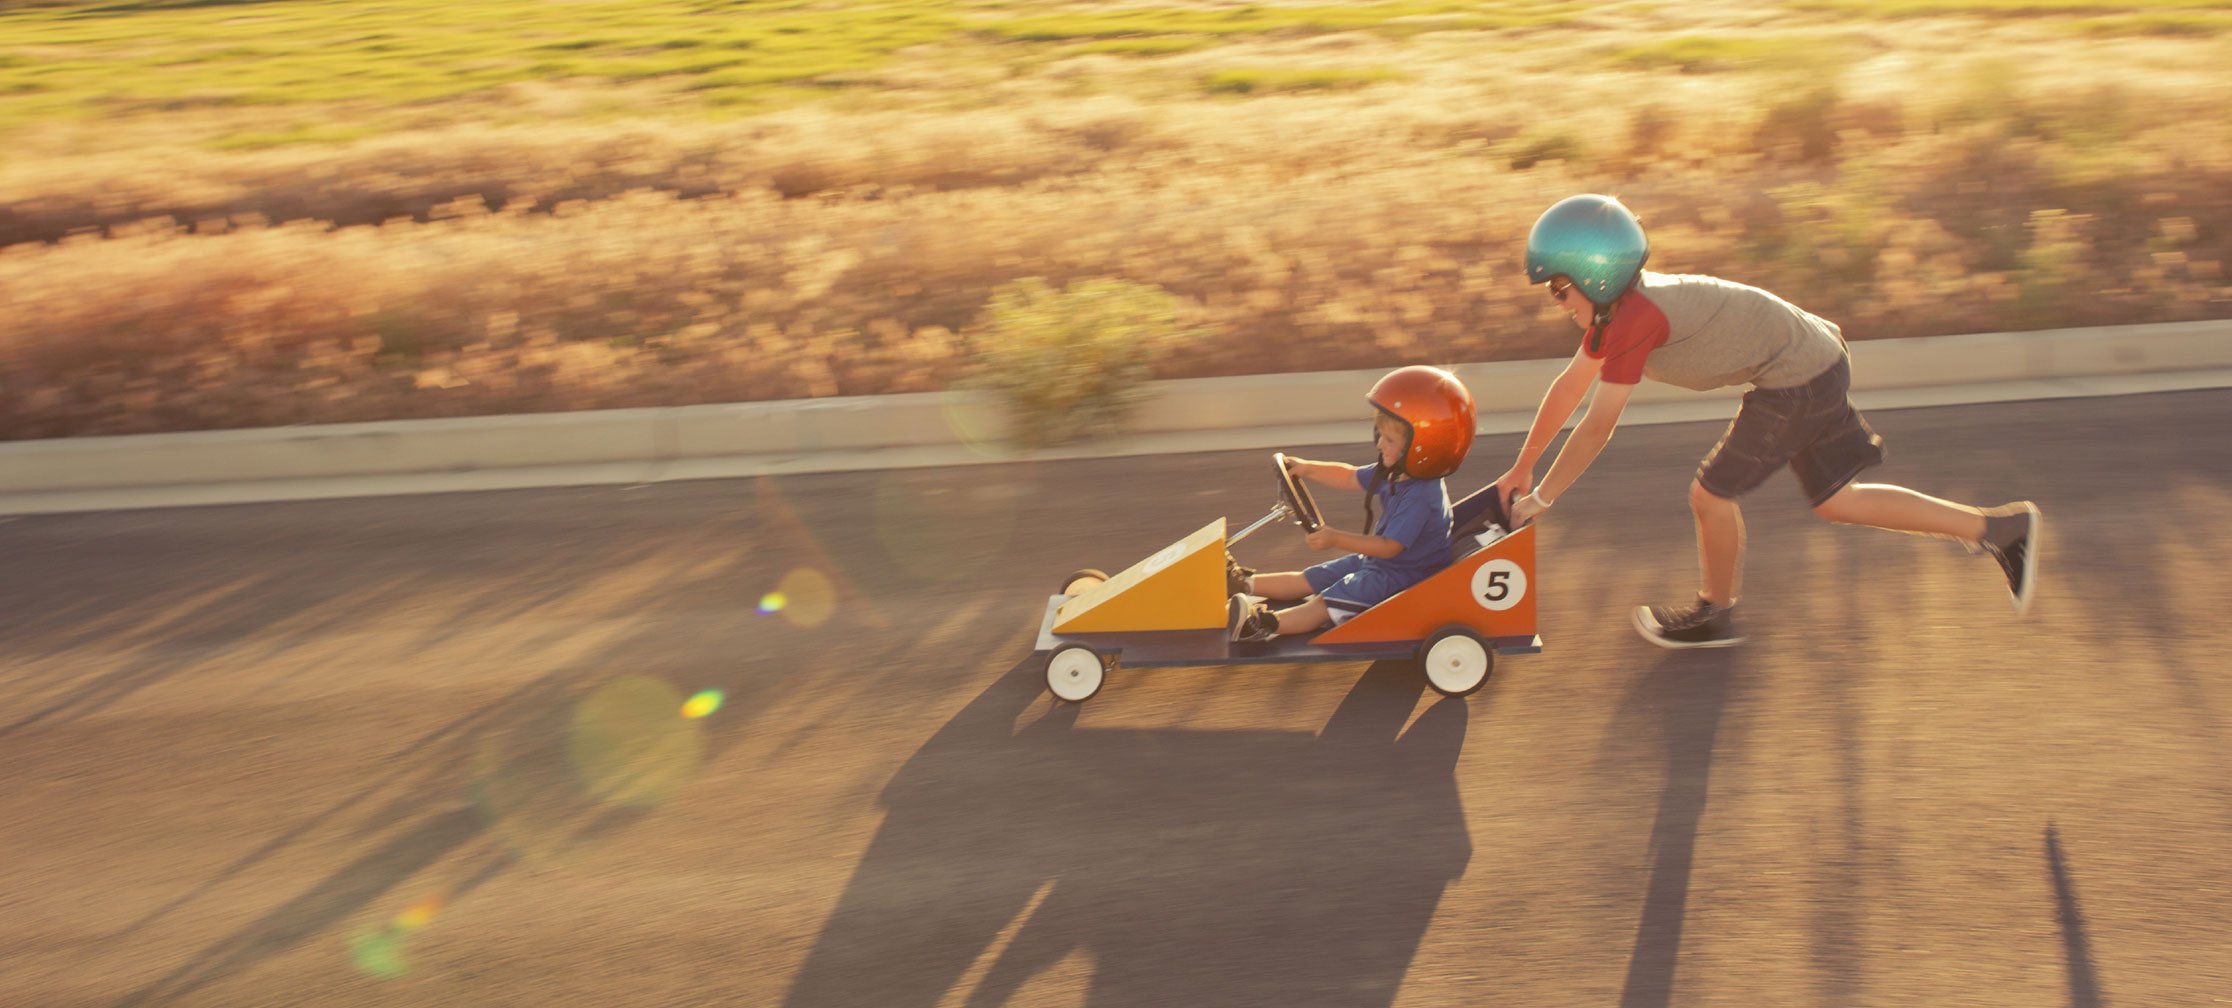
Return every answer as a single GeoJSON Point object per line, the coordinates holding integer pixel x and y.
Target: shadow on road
{"type": "Point", "coordinates": [327, 905]}
{"type": "Point", "coordinates": [423, 829]}
{"type": "Point", "coordinates": [1187, 867]}
{"type": "Point", "coordinates": [2084, 983]}
{"type": "Point", "coordinates": [1680, 701]}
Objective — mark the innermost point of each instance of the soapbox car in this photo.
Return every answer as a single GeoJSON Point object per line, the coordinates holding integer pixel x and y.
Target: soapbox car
{"type": "Point", "coordinates": [1169, 609]}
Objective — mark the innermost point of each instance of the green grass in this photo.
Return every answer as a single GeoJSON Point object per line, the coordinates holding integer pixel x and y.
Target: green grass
{"type": "Point", "coordinates": [61, 60]}
{"type": "Point", "coordinates": [2000, 8]}
{"type": "Point", "coordinates": [1397, 18]}
{"type": "Point", "coordinates": [351, 60]}
{"type": "Point", "coordinates": [88, 60]}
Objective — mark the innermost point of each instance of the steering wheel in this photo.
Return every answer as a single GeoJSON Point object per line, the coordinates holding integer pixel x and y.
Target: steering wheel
{"type": "Point", "coordinates": [1296, 495]}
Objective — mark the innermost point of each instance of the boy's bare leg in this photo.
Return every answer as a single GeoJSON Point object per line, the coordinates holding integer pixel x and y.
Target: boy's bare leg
{"type": "Point", "coordinates": [1282, 587]}
{"type": "Point", "coordinates": [1303, 618]}
{"type": "Point", "coordinates": [1720, 544]}
{"type": "Point", "coordinates": [1883, 506]}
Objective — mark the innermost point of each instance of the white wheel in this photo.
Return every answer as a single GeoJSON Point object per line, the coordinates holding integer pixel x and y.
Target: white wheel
{"type": "Point", "coordinates": [1456, 661]}
{"type": "Point", "coordinates": [1075, 673]}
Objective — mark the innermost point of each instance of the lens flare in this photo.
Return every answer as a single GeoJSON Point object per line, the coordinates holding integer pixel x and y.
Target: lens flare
{"type": "Point", "coordinates": [939, 527]}
{"type": "Point", "coordinates": [379, 953]}
{"type": "Point", "coordinates": [627, 747]}
{"type": "Point", "coordinates": [977, 421]}
{"type": "Point", "coordinates": [419, 914]}
{"type": "Point", "coordinates": [808, 599]}
{"type": "Point", "coordinates": [782, 519]}
{"type": "Point", "coordinates": [543, 780]}
{"type": "Point", "coordinates": [702, 703]}
{"type": "Point", "coordinates": [772, 602]}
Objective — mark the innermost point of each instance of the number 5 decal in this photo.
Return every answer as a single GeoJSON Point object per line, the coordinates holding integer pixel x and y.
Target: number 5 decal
{"type": "Point", "coordinates": [1499, 584]}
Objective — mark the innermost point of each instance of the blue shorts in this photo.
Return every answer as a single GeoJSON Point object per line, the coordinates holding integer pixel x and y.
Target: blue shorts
{"type": "Point", "coordinates": [1349, 586]}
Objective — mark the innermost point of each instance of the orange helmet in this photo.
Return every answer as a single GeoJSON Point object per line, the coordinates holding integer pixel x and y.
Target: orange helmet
{"type": "Point", "coordinates": [1437, 416]}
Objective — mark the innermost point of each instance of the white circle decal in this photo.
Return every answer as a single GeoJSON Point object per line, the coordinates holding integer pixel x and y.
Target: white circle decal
{"type": "Point", "coordinates": [1499, 584]}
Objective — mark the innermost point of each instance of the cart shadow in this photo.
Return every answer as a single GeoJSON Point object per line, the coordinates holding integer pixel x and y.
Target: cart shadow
{"type": "Point", "coordinates": [1186, 867]}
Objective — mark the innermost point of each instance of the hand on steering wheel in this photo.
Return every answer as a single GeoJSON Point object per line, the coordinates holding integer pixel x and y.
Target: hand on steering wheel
{"type": "Point", "coordinates": [1296, 495]}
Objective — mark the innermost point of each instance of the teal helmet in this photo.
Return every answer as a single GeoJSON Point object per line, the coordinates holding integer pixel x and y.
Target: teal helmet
{"type": "Point", "coordinates": [1591, 240]}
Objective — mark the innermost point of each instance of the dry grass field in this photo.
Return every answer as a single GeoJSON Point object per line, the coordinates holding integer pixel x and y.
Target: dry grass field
{"type": "Point", "coordinates": [1320, 187]}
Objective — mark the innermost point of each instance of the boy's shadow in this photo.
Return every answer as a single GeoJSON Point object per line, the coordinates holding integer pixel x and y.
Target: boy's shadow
{"type": "Point", "coordinates": [1187, 867]}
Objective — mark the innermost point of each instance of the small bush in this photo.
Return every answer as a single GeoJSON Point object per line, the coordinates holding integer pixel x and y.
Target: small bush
{"type": "Point", "coordinates": [1802, 126]}
{"type": "Point", "coordinates": [1692, 54]}
{"type": "Point", "coordinates": [1823, 240]}
{"type": "Point", "coordinates": [1161, 45]}
{"type": "Point", "coordinates": [2054, 262]}
{"type": "Point", "coordinates": [1255, 81]}
{"type": "Point", "coordinates": [2160, 24]}
{"type": "Point", "coordinates": [1069, 364]}
{"type": "Point", "coordinates": [1529, 150]}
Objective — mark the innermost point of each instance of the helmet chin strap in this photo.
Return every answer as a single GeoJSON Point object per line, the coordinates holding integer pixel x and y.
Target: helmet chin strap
{"type": "Point", "coordinates": [1597, 322]}
{"type": "Point", "coordinates": [1371, 493]}
{"type": "Point", "coordinates": [1385, 474]}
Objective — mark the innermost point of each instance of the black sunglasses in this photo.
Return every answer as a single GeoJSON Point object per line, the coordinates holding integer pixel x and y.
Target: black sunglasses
{"type": "Point", "coordinates": [1558, 293]}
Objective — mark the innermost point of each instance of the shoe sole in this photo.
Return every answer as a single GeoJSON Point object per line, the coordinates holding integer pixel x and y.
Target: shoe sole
{"type": "Point", "coordinates": [1642, 615]}
{"type": "Point", "coordinates": [1236, 620]}
{"type": "Point", "coordinates": [2033, 548]}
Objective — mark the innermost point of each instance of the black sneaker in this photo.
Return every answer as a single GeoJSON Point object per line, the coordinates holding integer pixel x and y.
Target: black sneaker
{"type": "Point", "coordinates": [2011, 536]}
{"type": "Point", "coordinates": [1250, 620]}
{"type": "Point", "coordinates": [1236, 576]}
{"type": "Point", "coordinates": [1698, 624]}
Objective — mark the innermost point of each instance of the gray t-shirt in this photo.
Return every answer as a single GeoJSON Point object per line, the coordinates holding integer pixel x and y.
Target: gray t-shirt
{"type": "Point", "coordinates": [1701, 332]}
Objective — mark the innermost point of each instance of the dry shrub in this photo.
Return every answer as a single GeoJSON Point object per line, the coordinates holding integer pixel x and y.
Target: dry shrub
{"type": "Point", "coordinates": [817, 253]}
{"type": "Point", "coordinates": [409, 176]}
{"type": "Point", "coordinates": [1071, 363]}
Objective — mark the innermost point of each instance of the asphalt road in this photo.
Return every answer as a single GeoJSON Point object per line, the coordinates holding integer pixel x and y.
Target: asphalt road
{"type": "Point", "coordinates": [428, 750]}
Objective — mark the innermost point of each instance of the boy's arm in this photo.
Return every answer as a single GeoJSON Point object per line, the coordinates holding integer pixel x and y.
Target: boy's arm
{"type": "Point", "coordinates": [1406, 522]}
{"type": "Point", "coordinates": [1330, 538]}
{"type": "Point", "coordinates": [1338, 475]}
{"type": "Point", "coordinates": [1558, 403]}
{"type": "Point", "coordinates": [1580, 449]}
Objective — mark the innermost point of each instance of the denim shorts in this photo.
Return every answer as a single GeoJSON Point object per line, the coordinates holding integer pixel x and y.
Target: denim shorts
{"type": "Point", "coordinates": [1349, 585]}
{"type": "Point", "coordinates": [1813, 428]}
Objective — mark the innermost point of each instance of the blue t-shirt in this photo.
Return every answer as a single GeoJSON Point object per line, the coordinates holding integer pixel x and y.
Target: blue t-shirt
{"type": "Point", "coordinates": [1413, 512]}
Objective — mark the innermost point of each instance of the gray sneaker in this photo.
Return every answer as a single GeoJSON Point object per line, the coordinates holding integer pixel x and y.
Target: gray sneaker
{"type": "Point", "coordinates": [2011, 536]}
{"type": "Point", "coordinates": [1698, 624]}
{"type": "Point", "coordinates": [1250, 620]}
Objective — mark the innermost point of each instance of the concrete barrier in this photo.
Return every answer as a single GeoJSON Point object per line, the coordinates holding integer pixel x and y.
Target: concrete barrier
{"type": "Point", "coordinates": [926, 429]}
